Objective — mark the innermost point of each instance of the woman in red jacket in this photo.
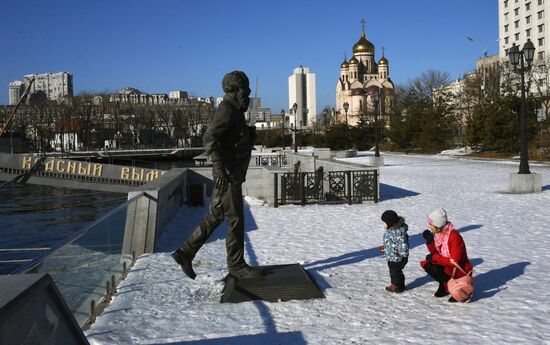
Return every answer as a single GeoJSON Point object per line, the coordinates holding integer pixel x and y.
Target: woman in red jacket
{"type": "Point", "coordinates": [447, 244]}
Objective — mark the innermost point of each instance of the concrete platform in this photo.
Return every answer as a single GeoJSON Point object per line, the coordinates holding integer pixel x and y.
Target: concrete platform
{"type": "Point", "coordinates": [377, 161]}
{"type": "Point", "coordinates": [525, 183]}
{"type": "Point", "coordinates": [278, 283]}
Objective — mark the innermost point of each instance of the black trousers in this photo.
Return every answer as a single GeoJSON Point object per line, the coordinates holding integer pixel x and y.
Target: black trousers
{"type": "Point", "coordinates": [228, 204]}
{"type": "Point", "coordinates": [437, 272]}
{"type": "Point", "coordinates": [396, 272]}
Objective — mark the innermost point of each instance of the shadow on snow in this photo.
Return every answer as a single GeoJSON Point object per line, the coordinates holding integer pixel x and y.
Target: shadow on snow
{"type": "Point", "coordinates": [490, 283]}
{"type": "Point", "coordinates": [388, 192]}
{"type": "Point", "coordinates": [264, 338]}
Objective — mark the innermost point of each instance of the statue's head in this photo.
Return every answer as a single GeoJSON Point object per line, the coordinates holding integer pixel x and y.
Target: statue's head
{"type": "Point", "coordinates": [236, 85]}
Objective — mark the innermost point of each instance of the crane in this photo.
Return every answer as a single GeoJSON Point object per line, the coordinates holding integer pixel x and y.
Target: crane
{"type": "Point", "coordinates": [10, 117]}
{"type": "Point", "coordinates": [252, 115]}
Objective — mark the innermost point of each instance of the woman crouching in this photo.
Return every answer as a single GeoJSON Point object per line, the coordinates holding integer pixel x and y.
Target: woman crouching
{"type": "Point", "coordinates": [445, 247]}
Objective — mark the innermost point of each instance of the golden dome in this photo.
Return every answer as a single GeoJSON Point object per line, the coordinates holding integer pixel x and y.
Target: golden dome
{"type": "Point", "coordinates": [344, 64]}
{"type": "Point", "coordinates": [363, 45]}
{"type": "Point", "coordinates": [383, 61]}
{"type": "Point", "coordinates": [353, 61]}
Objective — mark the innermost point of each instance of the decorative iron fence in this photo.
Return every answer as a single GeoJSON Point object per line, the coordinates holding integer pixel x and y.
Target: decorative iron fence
{"type": "Point", "coordinates": [352, 187]}
{"type": "Point", "coordinates": [271, 160]}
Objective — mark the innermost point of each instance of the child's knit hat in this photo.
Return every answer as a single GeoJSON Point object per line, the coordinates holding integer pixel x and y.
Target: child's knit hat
{"type": "Point", "coordinates": [390, 218]}
{"type": "Point", "coordinates": [438, 217]}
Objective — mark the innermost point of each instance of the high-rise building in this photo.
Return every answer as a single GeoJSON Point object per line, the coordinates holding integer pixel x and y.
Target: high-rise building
{"type": "Point", "coordinates": [16, 91]}
{"type": "Point", "coordinates": [301, 90]}
{"type": "Point", "coordinates": [520, 20]}
{"type": "Point", "coordinates": [261, 114]}
{"type": "Point", "coordinates": [360, 79]}
{"type": "Point", "coordinates": [56, 86]}
{"type": "Point", "coordinates": [177, 95]}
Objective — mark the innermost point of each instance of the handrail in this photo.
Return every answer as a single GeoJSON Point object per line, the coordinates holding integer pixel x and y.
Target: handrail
{"type": "Point", "coordinates": [12, 180]}
{"type": "Point", "coordinates": [76, 236]}
{"type": "Point", "coordinates": [23, 249]}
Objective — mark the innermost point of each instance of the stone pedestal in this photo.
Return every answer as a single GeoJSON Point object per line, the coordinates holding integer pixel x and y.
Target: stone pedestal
{"type": "Point", "coordinates": [525, 183]}
{"type": "Point", "coordinates": [377, 161]}
{"type": "Point", "coordinates": [278, 283]}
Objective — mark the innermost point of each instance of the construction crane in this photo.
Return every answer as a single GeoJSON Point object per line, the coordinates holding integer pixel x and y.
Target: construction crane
{"type": "Point", "coordinates": [21, 100]}
{"type": "Point", "coordinates": [254, 103]}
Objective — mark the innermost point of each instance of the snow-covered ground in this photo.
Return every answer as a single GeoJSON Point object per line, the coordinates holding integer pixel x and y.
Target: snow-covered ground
{"type": "Point", "coordinates": [507, 236]}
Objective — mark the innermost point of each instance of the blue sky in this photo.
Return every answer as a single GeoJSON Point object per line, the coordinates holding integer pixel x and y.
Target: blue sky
{"type": "Point", "coordinates": [164, 45]}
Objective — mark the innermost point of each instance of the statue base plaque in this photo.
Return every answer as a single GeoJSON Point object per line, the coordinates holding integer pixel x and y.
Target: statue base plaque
{"type": "Point", "coordinates": [278, 283]}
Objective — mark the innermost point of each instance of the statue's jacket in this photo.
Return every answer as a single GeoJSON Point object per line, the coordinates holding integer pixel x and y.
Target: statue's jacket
{"type": "Point", "coordinates": [228, 139]}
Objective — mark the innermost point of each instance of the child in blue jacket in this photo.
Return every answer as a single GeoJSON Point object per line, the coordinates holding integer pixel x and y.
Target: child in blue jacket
{"type": "Point", "coordinates": [396, 248]}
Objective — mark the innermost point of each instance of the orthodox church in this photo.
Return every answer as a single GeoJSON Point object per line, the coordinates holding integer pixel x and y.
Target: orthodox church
{"type": "Point", "coordinates": [360, 79]}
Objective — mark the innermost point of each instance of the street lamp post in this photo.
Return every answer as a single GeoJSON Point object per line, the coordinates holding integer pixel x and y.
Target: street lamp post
{"type": "Point", "coordinates": [522, 57]}
{"type": "Point", "coordinates": [295, 108]}
{"type": "Point", "coordinates": [377, 100]}
{"type": "Point", "coordinates": [346, 107]}
{"type": "Point", "coordinates": [283, 116]}
{"type": "Point", "coordinates": [524, 181]}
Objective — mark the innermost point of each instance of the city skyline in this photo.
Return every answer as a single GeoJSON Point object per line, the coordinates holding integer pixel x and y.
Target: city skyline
{"type": "Point", "coordinates": [190, 46]}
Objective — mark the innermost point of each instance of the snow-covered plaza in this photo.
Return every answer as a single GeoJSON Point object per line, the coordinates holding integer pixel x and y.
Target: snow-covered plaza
{"type": "Point", "coordinates": [507, 237]}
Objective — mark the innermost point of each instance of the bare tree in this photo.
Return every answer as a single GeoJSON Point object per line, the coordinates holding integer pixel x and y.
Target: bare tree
{"type": "Point", "coordinates": [429, 81]}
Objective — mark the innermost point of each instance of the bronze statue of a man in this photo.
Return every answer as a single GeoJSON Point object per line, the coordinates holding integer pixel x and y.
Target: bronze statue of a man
{"type": "Point", "coordinates": [228, 141]}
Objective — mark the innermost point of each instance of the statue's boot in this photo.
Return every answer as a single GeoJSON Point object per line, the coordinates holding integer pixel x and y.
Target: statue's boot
{"type": "Point", "coordinates": [184, 260]}
{"type": "Point", "coordinates": [187, 251]}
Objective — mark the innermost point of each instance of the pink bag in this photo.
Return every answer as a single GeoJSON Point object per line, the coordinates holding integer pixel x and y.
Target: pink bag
{"type": "Point", "coordinates": [462, 289]}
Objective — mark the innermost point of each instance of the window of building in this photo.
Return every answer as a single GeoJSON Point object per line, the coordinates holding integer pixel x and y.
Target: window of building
{"type": "Point", "coordinates": [506, 16]}
{"type": "Point", "coordinates": [540, 14]}
{"type": "Point", "coordinates": [528, 6]}
{"type": "Point", "coordinates": [360, 104]}
{"type": "Point", "coordinates": [505, 3]}
{"type": "Point", "coordinates": [516, 24]}
{"type": "Point", "coordinates": [516, 11]}
{"type": "Point", "coordinates": [506, 40]}
{"type": "Point", "coordinates": [540, 2]}
{"type": "Point", "coordinates": [528, 33]}
{"type": "Point", "coordinates": [528, 19]}
{"type": "Point", "coordinates": [541, 41]}
{"type": "Point", "coordinates": [516, 37]}
{"type": "Point", "coordinates": [506, 28]}
{"type": "Point", "coordinates": [541, 28]}
{"type": "Point", "coordinates": [540, 55]}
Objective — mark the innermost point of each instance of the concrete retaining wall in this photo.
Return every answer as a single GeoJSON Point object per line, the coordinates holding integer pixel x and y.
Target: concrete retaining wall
{"type": "Point", "coordinates": [253, 185]}
{"type": "Point", "coordinates": [147, 219]}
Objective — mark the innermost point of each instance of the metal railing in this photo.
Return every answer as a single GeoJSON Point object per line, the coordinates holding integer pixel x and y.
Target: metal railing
{"type": "Point", "coordinates": [88, 265]}
{"type": "Point", "coordinates": [271, 160]}
{"type": "Point", "coordinates": [351, 186]}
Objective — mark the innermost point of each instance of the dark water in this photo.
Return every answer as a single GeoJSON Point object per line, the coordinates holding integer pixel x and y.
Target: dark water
{"type": "Point", "coordinates": [33, 216]}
